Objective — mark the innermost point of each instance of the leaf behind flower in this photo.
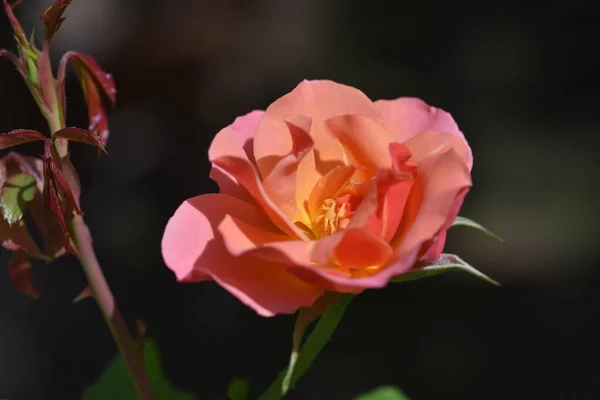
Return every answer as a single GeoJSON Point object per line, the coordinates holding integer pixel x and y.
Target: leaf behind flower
{"type": "Point", "coordinates": [383, 393]}
{"type": "Point", "coordinates": [462, 221]}
{"type": "Point", "coordinates": [446, 263]}
{"type": "Point", "coordinates": [115, 382]}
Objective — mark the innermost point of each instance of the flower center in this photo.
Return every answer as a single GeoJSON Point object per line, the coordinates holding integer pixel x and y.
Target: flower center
{"type": "Point", "coordinates": [332, 216]}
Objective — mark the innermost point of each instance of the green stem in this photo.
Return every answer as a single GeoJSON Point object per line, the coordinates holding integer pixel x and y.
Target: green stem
{"type": "Point", "coordinates": [308, 353]}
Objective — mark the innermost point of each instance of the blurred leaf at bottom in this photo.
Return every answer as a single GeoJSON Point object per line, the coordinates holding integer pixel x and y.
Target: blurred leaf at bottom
{"type": "Point", "coordinates": [383, 393]}
{"type": "Point", "coordinates": [116, 383]}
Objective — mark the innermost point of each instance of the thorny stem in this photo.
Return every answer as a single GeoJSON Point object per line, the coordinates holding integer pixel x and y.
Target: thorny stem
{"type": "Point", "coordinates": [99, 287]}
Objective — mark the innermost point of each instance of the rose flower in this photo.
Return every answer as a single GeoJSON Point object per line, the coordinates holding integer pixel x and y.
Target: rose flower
{"type": "Point", "coordinates": [324, 191]}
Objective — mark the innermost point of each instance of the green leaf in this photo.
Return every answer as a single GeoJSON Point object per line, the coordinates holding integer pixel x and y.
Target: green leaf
{"type": "Point", "coordinates": [116, 383]}
{"type": "Point", "coordinates": [238, 389]}
{"type": "Point", "coordinates": [16, 192]}
{"type": "Point", "coordinates": [316, 341]}
{"type": "Point", "coordinates": [446, 263]}
{"type": "Point", "coordinates": [462, 221]}
{"type": "Point", "coordinates": [383, 393]}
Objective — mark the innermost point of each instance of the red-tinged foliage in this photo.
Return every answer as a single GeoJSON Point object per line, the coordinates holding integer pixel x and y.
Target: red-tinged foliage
{"type": "Point", "coordinates": [103, 78]}
{"type": "Point", "coordinates": [93, 79]}
{"type": "Point", "coordinates": [52, 17]}
{"type": "Point", "coordinates": [19, 268]}
{"type": "Point", "coordinates": [17, 28]}
{"type": "Point", "coordinates": [19, 136]}
{"type": "Point", "coordinates": [80, 135]}
{"type": "Point", "coordinates": [15, 163]}
{"type": "Point", "coordinates": [52, 159]}
{"type": "Point", "coordinates": [52, 202]}
{"type": "Point", "coordinates": [54, 180]}
{"type": "Point", "coordinates": [16, 236]}
{"type": "Point", "coordinates": [13, 58]}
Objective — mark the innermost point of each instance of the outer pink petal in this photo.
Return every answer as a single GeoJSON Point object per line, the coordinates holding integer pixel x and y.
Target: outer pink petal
{"type": "Point", "coordinates": [318, 100]}
{"type": "Point", "coordinates": [365, 142]}
{"type": "Point", "coordinates": [244, 128]}
{"type": "Point", "coordinates": [430, 143]}
{"type": "Point", "coordinates": [441, 179]}
{"type": "Point", "coordinates": [189, 230]}
{"type": "Point", "coordinates": [433, 249]}
{"type": "Point", "coordinates": [240, 237]}
{"type": "Point", "coordinates": [407, 117]}
{"type": "Point", "coordinates": [193, 243]}
{"type": "Point", "coordinates": [265, 287]}
{"type": "Point", "coordinates": [226, 156]}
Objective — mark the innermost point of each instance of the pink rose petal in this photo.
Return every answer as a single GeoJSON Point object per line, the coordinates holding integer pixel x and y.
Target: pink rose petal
{"type": "Point", "coordinates": [192, 244]}
{"type": "Point", "coordinates": [406, 117]}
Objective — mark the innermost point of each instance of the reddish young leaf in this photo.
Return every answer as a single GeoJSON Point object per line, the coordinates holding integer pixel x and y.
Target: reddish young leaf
{"type": "Point", "coordinates": [80, 135]}
{"type": "Point", "coordinates": [13, 58]}
{"type": "Point", "coordinates": [52, 202]}
{"type": "Point", "coordinates": [97, 114]}
{"type": "Point", "coordinates": [19, 136]}
{"type": "Point", "coordinates": [52, 17]}
{"type": "Point", "coordinates": [15, 163]}
{"type": "Point", "coordinates": [103, 78]}
{"type": "Point", "coordinates": [93, 79]}
{"type": "Point", "coordinates": [17, 28]}
{"type": "Point", "coordinates": [47, 223]}
{"type": "Point", "coordinates": [54, 164]}
{"type": "Point", "coordinates": [19, 268]}
{"type": "Point", "coordinates": [16, 236]}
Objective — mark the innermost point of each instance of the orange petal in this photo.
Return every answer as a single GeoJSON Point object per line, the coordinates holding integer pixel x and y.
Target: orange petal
{"type": "Point", "coordinates": [328, 185]}
{"type": "Point", "coordinates": [281, 184]}
{"type": "Point", "coordinates": [240, 237]}
{"type": "Point", "coordinates": [318, 100]}
{"type": "Point", "coordinates": [227, 156]}
{"type": "Point", "coordinates": [439, 181]}
{"type": "Point", "coordinates": [361, 249]}
{"type": "Point", "coordinates": [310, 261]}
{"type": "Point", "coordinates": [365, 142]}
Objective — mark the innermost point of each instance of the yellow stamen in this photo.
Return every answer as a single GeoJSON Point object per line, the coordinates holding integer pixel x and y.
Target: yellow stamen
{"type": "Point", "coordinates": [330, 217]}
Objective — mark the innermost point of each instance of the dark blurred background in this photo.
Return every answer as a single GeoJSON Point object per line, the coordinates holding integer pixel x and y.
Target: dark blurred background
{"type": "Point", "coordinates": [519, 81]}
